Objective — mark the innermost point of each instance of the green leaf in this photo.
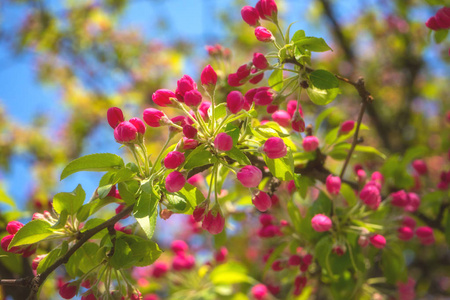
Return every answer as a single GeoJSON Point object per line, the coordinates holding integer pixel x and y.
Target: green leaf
{"type": "Point", "coordinates": [48, 260]}
{"type": "Point", "coordinates": [322, 97]}
{"type": "Point", "coordinates": [83, 260]}
{"type": "Point", "coordinates": [322, 116]}
{"type": "Point", "coordinates": [134, 251]}
{"type": "Point", "coordinates": [230, 273]}
{"type": "Point", "coordinates": [94, 222]}
{"type": "Point", "coordinates": [298, 35]}
{"type": "Point", "coordinates": [33, 232]}
{"type": "Point", "coordinates": [302, 183]}
{"type": "Point", "coordinates": [313, 44]}
{"type": "Point", "coordinates": [288, 33]}
{"type": "Point", "coordinates": [61, 220]}
{"type": "Point", "coordinates": [238, 156]}
{"type": "Point", "coordinates": [193, 195]}
{"type": "Point", "coordinates": [90, 208]}
{"type": "Point", "coordinates": [128, 190]}
{"type": "Point", "coordinates": [198, 157]}
{"type": "Point", "coordinates": [70, 202]}
{"type": "Point", "coordinates": [145, 212]}
{"type": "Point", "coordinates": [349, 194]}
{"type": "Point", "coordinates": [280, 168]}
{"type": "Point", "coordinates": [323, 80]}
{"type": "Point", "coordinates": [393, 265]}
{"type": "Point", "coordinates": [220, 111]}
{"type": "Point", "coordinates": [177, 203]}
{"type": "Point", "coordinates": [447, 228]}
{"type": "Point", "coordinates": [98, 162]}
{"type": "Point", "coordinates": [440, 35]}
{"type": "Point", "coordinates": [276, 80]}
{"type": "Point", "coordinates": [294, 215]}
{"type": "Point", "coordinates": [322, 251]}
{"type": "Point", "coordinates": [233, 131]}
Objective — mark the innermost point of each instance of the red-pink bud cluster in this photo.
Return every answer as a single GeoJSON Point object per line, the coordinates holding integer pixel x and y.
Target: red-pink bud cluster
{"type": "Point", "coordinates": [441, 20]}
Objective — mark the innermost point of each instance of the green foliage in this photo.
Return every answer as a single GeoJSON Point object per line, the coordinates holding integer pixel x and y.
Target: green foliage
{"type": "Point", "coordinates": [33, 232]}
{"type": "Point", "coordinates": [99, 162]}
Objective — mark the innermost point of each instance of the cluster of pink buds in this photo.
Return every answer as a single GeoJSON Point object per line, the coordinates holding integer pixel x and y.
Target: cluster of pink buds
{"type": "Point", "coordinates": [410, 202]}
{"type": "Point", "coordinates": [268, 229]}
{"type": "Point", "coordinates": [12, 228]}
{"type": "Point", "coordinates": [252, 72]}
{"type": "Point", "coordinates": [125, 131]}
{"type": "Point", "coordinates": [182, 260]}
{"type": "Point", "coordinates": [218, 51]}
{"type": "Point", "coordinates": [408, 228]}
{"type": "Point", "coordinates": [371, 192]}
{"type": "Point", "coordinates": [212, 219]}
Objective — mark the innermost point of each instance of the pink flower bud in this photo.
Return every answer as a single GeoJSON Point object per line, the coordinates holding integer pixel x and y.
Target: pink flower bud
{"type": "Point", "coordinates": [68, 291]}
{"type": "Point", "coordinates": [370, 195]}
{"type": "Point", "coordinates": [208, 76]}
{"type": "Point", "coordinates": [378, 241]}
{"type": "Point", "coordinates": [184, 85]}
{"type": "Point", "coordinates": [249, 176]}
{"type": "Point", "coordinates": [259, 292]}
{"type": "Point", "coordinates": [243, 71]}
{"type": "Point", "coordinates": [299, 284]}
{"type": "Point", "coordinates": [267, 10]}
{"type": "Point", "coordinates": [339, 250]}
{"type": "Point", "coordinates": [256, 78]}
{"type": "Point", "coordinates": [409, 222]}
{"type": "Point", "coordinates": [250, 15]}
{"type": "Point", "coordinates": [292, 107]}
{"type": "Point", "coordinates": [188, 144]}
{"type": "Point", "coordinates": [179, 246]}
{"type": "Point", "coordinates": [13, 227]}
{"type": "Point", "coordinates": [221, 255]}
{"type": "Point", "coordinates": [262, 201]}
{"type": "Point", "coordinates": [159, 269]}
{"type": "Point", "coordinates": [260, 61]}
{"type": "Point", "coordinates": [413, 202]}
{"type": "Point", "coordinates": [125, 132]}
{"type": "Point", "coordinates": [363, 241]}
{"type": "Point", "coordinates": [272, 108]}
{"type": "Point", "coordinates": [274, 148]}
{"type": "Point", "coordinates": [347, 126]}
{"type": "Point", "coordinates": [275, 200]}
{"type": "Point", "coordinates": [333, 184]}
{"type": "Point", "coordinates": [203, 109]}
{"type": "Point", "coordinates": [120, 208]}
{"type": "Point", "coordinates": [114, 116]}
{"type": "Point", "coordinates": [291, 187]}
{"type": "Point", "coordinates": [263, 34]}
{"type": "Point", "coordinates": [282, 117]}
{"type": "Point", "coordinates": [162, 97]}
{"type": "Point", "coordinates": [399, 199]}
{"type": "Point", "coordinates": [6, 240]}
{"type": "Point", "coordinates": [189, 131]}
{"type": "Point", "coordinates": [36, 261]}
{"type": "Point", "coordinates": [277, 266]}
{"type": "Point", "coordinates": [89, 297]}
{"type": "Point", "coordinates": [223, 142]}
{"type": "Point", "coordinates": [200, 211]}
{"type": "Point", "coordinates": [378, 177]}
{"type": "Point", "coordinates": [140, 126]}
{"type": "Point", "coordinates": [235, 102]}
{"type": "Point", "coordinates": [420, 167]}
{"type": "Point", "coordinates": [234, 80]}
{"type": "Point", "coordinates": [263, 96]}
{"type": "Point", "coordinates": [424, 232]}
{"type": "Point", "coordinates": [178, 120]}
{"type": "Point", "coordinates": [266, 219]}
{"type": "Point", "coordinates": [443, 17]}
{"type": "Point", "coordinates": [405, 233]}
{"type": "Point", "coordinates": [294, 260]}
{"type": "Point", "coordinates": [214, 221]}
{"type": "Point", "coordinates": [173, 160]}
{"type": "Point", "coordinates": [310, 143]}
{"type": "Point", "coordinates": [362, 176]}
{"type": "Point", "coordinates": [193, 98]}
{"type": "Point", "coordinates": [298, 124]}
{"type": "Point", "coordinates": [175, 181]}
{"type": "Point", "coordinates": [321, 223]}
{"type": "Point", "coordinates": [154, 117]}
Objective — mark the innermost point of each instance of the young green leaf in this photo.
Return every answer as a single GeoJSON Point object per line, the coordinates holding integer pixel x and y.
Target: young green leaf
{"type": "Point", "coordinates": [70, 202]}
{"type": "Point", "coordinates": [33, 232]}
{"type": "Point", "coordinates": [98, 162]}
{"type": "Point", "coordinates": [322, 97]}
{"type": "Point", "coordinates": [323, 80]}
{"type": "Point", "coordinates": [313, 44]}
{"type": "Point", "coordinates": [276, 80]}
{"type": "Point", "coordinates": [145, 212]}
